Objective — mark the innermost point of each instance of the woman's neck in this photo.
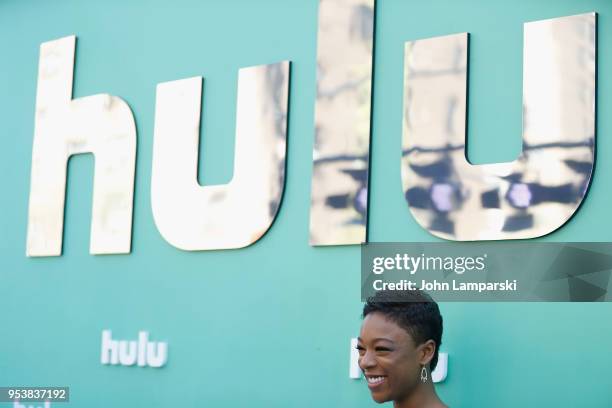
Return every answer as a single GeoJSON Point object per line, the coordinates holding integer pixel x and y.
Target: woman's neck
{"type": "Point", "coordinates": [424, 396]}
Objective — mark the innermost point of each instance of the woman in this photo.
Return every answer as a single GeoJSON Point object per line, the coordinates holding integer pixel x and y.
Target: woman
{"type": "Point", "coordinates": [398, 348]}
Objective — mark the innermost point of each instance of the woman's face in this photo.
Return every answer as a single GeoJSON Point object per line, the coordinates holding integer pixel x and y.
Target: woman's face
{"type": "Point", "coordinates": [389, 358]}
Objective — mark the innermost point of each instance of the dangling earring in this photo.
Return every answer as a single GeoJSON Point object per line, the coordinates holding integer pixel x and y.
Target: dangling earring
{"type": "Point", "coordinates": [424, 374]}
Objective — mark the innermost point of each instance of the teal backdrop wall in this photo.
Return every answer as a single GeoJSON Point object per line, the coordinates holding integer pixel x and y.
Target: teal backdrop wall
{"type": "Point", "coordinates": [269, 325]}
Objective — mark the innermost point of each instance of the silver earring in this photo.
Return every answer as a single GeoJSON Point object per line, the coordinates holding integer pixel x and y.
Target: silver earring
{"type": "Point", "coordinates": [424, 374]}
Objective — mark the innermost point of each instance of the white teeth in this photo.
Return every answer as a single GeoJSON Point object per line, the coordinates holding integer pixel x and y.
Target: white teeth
{"type": "Point", "coordinates": [375, 380]}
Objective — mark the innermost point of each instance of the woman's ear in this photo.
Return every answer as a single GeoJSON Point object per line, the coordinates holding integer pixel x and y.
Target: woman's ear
{"type": "Point", "coordinates": [426, 352]}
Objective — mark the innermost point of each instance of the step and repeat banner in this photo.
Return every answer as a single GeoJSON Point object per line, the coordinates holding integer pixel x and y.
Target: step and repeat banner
{"type": "Point", "coordinates": [305, 203]}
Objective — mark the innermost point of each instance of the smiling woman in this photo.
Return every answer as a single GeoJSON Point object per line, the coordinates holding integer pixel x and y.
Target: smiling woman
{"type": "Point", "coordinates": [398, 348]}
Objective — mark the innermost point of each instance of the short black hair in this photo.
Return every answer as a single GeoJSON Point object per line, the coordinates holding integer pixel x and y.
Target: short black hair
{"type": "Point", "coordinates": [414, 311]}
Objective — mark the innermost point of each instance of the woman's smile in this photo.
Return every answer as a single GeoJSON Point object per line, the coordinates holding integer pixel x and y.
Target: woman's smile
{"type": "Point", "coordinates": [376, 381]}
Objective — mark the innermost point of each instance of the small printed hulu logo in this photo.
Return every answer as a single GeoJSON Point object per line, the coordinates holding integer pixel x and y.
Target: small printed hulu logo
{"type": "Point", "coordinates": [141, 352]}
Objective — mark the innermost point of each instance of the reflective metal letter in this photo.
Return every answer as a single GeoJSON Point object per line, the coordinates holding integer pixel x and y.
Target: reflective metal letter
{"type": "Point", "coordinates": [531, 196]}
{"type": "Point", "coordinates": [237, 214]}
{"type": "Point", "coordinates": [339, 196]}
{"type": "Point", "coordinates": [98, 124]}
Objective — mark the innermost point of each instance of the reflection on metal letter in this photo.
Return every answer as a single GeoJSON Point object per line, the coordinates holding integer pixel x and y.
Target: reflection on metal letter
{"type": "Point", "coordinates": [234, 215]}
{"type": "Point", "coordinates": [339, 195]}
{"type": "Point", "coordinates": [98, 124]}
{"type": "Point", "coordinates": [531, 196]}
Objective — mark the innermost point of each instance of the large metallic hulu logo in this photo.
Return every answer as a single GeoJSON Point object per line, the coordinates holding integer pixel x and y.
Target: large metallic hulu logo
{"type": "Point", "coordinates": [529, 197]}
